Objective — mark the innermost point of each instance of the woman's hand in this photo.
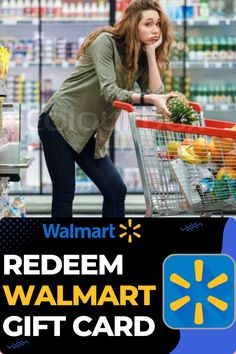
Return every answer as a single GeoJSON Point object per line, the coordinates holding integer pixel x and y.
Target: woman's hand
{"type": "Point", "coordinates": [160, 102]}
{"type": "Point", "coordinates": [152, 47]}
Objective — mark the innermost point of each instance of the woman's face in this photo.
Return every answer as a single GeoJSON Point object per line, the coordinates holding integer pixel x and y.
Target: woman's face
{"type": "Point", "coordinates": [149, 30]}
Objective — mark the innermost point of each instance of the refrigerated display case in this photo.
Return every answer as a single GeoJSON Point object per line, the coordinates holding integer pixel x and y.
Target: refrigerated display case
{"type": "Point", "coordinates": [207, 54]}
{"type": "Point", "coordinates": [211, 58]}
{"type": "Point", "coordinates": [43, 37]}
{"type": "Point", "coordinates": [13, 159]}
{"type": "Point", "coordinates": [19, 33]}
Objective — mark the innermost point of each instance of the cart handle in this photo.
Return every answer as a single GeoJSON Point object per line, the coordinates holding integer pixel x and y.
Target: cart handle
{"type": "Point", "coordinates": [184, 128]}
{"type": "Point", "coordinates": [123, 105]}
{"type": "Point", "coordinates": [210, 123]}
{"type": "Point", "coordinates": [130, 108]}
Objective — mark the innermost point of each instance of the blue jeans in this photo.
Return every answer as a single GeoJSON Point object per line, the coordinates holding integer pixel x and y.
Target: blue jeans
{"type": "Point", "coordinates": [60, 159]}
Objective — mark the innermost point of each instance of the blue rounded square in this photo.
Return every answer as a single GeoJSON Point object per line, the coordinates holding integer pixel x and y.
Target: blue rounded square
{"type": "Point", "coordinates": [198, 291]}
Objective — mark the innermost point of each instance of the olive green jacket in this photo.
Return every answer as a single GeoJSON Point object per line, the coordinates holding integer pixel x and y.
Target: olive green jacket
{"type": "Point", "coordinates": [82, 107]}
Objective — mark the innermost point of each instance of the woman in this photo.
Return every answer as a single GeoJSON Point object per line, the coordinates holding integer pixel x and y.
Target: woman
{"type": "Point", "coordinates": [79, 119]}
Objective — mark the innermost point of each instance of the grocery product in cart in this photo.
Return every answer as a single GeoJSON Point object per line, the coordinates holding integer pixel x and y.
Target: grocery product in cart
{"type": "Point", "coordinates": [181, 111]}
{"type": "Point", "coordinates": [184, 168]}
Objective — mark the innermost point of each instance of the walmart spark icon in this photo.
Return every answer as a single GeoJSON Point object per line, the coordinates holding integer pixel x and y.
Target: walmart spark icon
{"type": "Point", "coordinates": [130, 230]}
{"type": "Point", "coordinates": [217, 281]}
{"type": "Point", "coordinates": [198, 291]}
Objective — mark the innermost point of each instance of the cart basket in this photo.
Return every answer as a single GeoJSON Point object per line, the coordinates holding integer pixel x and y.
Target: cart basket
{"type": "Point", "coordinates": [184, 169]}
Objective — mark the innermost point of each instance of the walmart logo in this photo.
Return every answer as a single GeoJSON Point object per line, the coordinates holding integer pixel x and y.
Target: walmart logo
{"type": "Point", "coordinates": [109, 231]}
{"type": "Point", "coordinates": [198, 291]}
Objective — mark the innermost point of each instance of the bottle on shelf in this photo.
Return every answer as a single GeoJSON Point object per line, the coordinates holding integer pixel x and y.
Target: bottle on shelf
{"type": "Point", "coordinates": [118, 9]}
{"type": "Point", "coordinates": [204, 9]}
{"type": "Point", "coordinates": [79, 9]}
{"type": "Point", "coordinates": [107, 9]}
{"type": "Point", "coordinates": [50, 13]}
{"type": "Point", "coordinates": [87, 9]}
{"type": "Point", "coordinates": [18, 6]}
{"type": "Point", "coordinates": [199, 49]}
{"type": "Point", "coordinates": [213, 93]}
{"type": "Point", "coordinates": [195, 9]}
{"type": "Point", "coordinates": [47, 90]}
{"type": "Point", "coordinates": [43, 8]}
{"type": "Point", "coordinates": [11, 8]}
{"type": "Point", "coordinates": [220, 8]}
{"type": "Point", "coordinates": [34, 9]}
{"type": "Point", "coordinates": [27, 10]}
{"type": "Point", "coordinates": [57, 9]}
{"type": "Point", "coordinates": [4, 8]}
{"type": "Point", "coordinates": [72, 10]}
{"type": "Point", "coordinates": [65, 10]}
{"type": "Point", "coordinates": [94, 9]}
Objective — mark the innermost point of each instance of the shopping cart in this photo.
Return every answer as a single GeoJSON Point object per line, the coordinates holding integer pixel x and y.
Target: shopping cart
{"type": "Point", "coordinates": [184, 169]}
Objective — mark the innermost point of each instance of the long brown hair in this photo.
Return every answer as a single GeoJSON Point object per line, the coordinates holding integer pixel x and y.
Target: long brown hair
{"type": "Point", "coordinates": [125, 31]}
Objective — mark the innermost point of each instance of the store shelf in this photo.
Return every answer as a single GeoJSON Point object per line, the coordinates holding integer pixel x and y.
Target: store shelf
{"type": "Point", "coordinates": [26, 64]}
{"type": "Point", "coordinates": [76, 21]}
{"type": "Point", "coordinates": [211, 65]}
{"type": "Point", "coordinates": [211, 61]}
{"type": "Point", "coordinates": [18, 22]}
{"type": "Point", "coordinates": [35, 22]}
{"type": "Point", "coordinates": [220, 107]}
{"type": "Point", "coordinates": [214, 21]}
{"type": "Point", "coordinates": [204, 65]}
